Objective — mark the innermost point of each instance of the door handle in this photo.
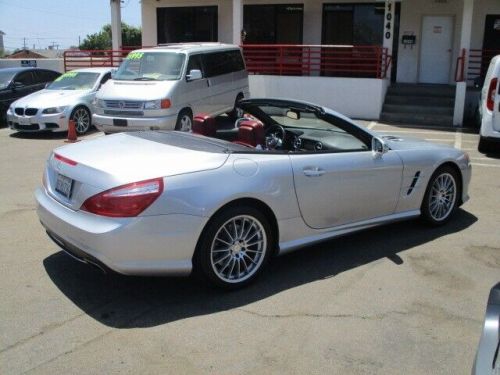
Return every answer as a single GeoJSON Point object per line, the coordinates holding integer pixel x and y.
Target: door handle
{"type": "Point", "coordinates": [313, 171]}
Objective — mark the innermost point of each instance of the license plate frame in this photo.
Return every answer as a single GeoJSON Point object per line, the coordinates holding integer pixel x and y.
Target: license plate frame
{"type": "Point", "coordinates": [120, 122]}
{"type": "Point", "coordinates": [64, 185]}
{"type": "Point", "coordinates": [24, 121]}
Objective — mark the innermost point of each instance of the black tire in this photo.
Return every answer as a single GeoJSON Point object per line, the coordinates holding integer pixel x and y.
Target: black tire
{"type": "Point", "coordinates": [210, 265]}
{"type": "Point", "coordinates": [433, 197]}
{"type": "Point", "coordinates": [82, 118]}
{"type": "Point", "coordinates": [184, 115]}
{"type": "Point", "coordinates": [234, 114]}
{"type": "Point", "coordinates": [484, 145]}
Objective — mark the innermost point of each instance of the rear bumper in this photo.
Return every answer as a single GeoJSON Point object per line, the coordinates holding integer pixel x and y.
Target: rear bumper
{"type": "Point", "coordinates": [106, 124]}
{"type": "Point", "coordinates": [487, 130]}
{"type": "Point", "coordinates": [144, 245]}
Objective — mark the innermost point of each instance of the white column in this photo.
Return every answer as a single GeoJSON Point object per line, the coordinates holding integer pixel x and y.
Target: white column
{"type": "Point", "coordinates": [390, 11]}
{"type": "Point", "coordinates": [116, 24]}
{"type": "Point", "coordinates": [465, 36]}
{"type": "Point", "coordinates": [237, 21]}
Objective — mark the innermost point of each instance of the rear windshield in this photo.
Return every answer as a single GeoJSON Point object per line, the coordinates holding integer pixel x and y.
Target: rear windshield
{"type": "Point", "coordinates": [151, 66]}
{"type": "Point", "coordinates": [74, 81]}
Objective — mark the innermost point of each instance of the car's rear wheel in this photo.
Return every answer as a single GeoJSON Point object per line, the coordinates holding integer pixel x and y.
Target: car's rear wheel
{"type": "Point", "coordinates": [441, 197]}
{"type": "Point", "coordinates": [234, 247]}
{"type": "Point", "coordinates": [82, 118]}
{"type": "Point", "coordinates": [184, 121]}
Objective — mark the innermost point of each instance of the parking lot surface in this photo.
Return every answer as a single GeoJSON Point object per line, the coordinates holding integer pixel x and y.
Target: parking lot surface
{"type": "Point", "coordinates": [398, 299]}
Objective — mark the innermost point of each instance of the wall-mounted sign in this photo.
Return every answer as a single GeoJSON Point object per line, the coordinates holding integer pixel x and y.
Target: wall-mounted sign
{"type": "Point", "coordinates": [28, 63]}
{"type": "Point", "coordinates": [389, 15]}
{"type": "Point", "coordinates": [438, 29]}
{"type": "Point", "coordinates": [409, 40]}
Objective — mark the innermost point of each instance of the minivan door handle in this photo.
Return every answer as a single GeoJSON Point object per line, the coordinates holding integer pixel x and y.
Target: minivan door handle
{"type": "Point", "coordinates": [313, 171]}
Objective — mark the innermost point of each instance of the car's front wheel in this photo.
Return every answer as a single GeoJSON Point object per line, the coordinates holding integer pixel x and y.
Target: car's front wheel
{"type": "Point", "coordinates": [441, 197]}
{"type": "Point", "coordinates": [82, 118]}
{"type": "Point", "coordinates": [184, 121]}
{"type": "Point", "coordinates": [234, 247]}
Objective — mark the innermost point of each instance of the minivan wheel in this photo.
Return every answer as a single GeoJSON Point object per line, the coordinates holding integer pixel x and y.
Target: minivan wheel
{"type": "Point", "coordinates": [441, 196]}
{"type": "Point", "coordinates": [234, 247]}
{"type": "Point", "coordinates": [184, 121]}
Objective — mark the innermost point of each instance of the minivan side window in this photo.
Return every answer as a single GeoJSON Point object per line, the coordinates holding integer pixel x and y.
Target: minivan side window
{"type": "Point", "coordinates": [195, 63]}
{"type": "Point", "coordinates": [218, 63]}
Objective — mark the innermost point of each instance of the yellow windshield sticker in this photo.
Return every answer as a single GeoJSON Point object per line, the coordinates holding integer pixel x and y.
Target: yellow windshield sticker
{"type": "Point", "coordinates": [67, 75]}
{"type": "Point", "coordinates": [135, 55]}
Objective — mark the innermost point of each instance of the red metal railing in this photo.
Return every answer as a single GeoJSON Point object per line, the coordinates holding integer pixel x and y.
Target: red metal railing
{"type": "Point", "coordinates": [479, 60]}
{"type": "Point", "coordinates": [324, 60]}
{"type": "Point", "coordinates": [460, 66]}
{"type": "Point", "coordinates": [74, 59]}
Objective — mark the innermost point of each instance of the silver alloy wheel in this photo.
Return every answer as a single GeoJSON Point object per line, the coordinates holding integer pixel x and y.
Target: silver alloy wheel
{"type": "Point", "coordinates": [186, 123]}
{"type": "Point", "coordinates": [82, 120]}
{"type": "Point", "coordinates": [238, 249]}
{"type": "Point", "coordinates": [442, 196]}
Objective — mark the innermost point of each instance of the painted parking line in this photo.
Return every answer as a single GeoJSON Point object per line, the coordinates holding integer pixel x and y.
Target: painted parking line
{"type": "Point", "coordinates": [372, 124]}
{"type": "Point", "coordinates": [485, 165]}
{"type": "Point", "coordinates": [458, 139]}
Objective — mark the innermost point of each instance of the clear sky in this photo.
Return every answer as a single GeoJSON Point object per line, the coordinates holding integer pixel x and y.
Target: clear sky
{"type": "Point", "coordinates": [45, 22]}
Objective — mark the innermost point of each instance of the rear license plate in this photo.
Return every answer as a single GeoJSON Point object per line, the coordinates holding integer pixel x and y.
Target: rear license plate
{"type": "Point", "coordinates": [64, 185]}
{"type": "Point", "coordinates": [24, 121]}
{"type": "Point", "coordinates": [119, 122]}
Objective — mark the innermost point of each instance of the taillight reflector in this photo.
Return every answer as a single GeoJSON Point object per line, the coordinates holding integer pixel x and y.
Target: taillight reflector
{"type": "Point", "coordinates": [490, 99]}
{"type": "Point", "coordinates": [125, 201]}
{"type": "Point", "coordinates": [65, 160]}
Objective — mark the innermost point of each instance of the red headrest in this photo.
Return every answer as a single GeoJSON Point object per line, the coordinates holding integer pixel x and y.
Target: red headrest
{"type": "Point", "coordinates": [204, 124]}
{"type": "Point", "coordinates": [251, 133]}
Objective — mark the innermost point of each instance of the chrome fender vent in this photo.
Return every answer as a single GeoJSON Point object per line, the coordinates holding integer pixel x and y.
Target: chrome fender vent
{"type": "Point", "coordinates": [413, 183]}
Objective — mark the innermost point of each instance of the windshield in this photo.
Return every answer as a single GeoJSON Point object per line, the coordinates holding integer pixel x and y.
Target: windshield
{"type": "Point", "coordinates": [74, 81]}
{"type": "Point", "coordinates": [5, 78]}
{"type": "Point", "coordinates": [151, 66]}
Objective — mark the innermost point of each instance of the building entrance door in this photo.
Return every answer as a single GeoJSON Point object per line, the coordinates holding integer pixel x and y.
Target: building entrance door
{"type": "Point", "coordinates": [435, 51]}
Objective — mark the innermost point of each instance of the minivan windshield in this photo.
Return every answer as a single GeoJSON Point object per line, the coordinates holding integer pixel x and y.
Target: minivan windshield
{"type": "Point", "coordinates": [74, 81]}
{"type": "Point", "coordinates": [150, 66]}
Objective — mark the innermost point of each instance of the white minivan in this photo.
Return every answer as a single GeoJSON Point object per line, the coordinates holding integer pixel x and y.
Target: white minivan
{"type": "Point", "coordinates": [489, 109]}
{"type": "Point", "coordinates": [162, 87]}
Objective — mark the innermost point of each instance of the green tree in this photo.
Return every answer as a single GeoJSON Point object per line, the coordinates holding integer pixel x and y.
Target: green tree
{"type": "Point", "coordinates": [131, 36]}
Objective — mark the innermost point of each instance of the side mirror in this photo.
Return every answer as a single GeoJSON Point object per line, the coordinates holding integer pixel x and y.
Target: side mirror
{"type": "Point", "coordinates": [193, 75]}
{"type": "Point", "coordinates": [16, 85]}
{"type": "Point", "coordinates": [379, 147]}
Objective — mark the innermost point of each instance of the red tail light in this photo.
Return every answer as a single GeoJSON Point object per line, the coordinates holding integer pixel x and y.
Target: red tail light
{"type": "Point", "coordinates": [65, 160]}
{"type": "Point", "coordinates": [126, 200]}
{"type": "Point", "coordinates": [490, 99]}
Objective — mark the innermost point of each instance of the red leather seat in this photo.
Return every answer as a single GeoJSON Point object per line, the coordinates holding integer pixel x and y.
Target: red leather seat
{"type": "Point", "coordinates": [251, 133]}
{"type": "Point", "coordinates": [204, 124]}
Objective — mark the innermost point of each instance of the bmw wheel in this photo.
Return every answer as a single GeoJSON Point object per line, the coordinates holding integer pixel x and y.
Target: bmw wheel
{"type": "Point", "coordinates": [81, 117]}
{"type": "Point", "coordinates": [184, 121]}
{"type": "Point", "coordinates": [441, 196]}
{"type": "Point", "coordinates": [235, 247]}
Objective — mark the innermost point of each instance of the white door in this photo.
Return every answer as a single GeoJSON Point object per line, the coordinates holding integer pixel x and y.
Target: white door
{"type": "Point", "coordinates": [435, 52]}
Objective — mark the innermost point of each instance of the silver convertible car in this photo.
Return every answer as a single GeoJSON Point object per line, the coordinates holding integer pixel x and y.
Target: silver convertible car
{"type": "Point", "coordinates": [289, 175]}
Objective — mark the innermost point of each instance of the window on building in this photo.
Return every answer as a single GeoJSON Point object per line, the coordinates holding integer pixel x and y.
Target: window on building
{"type": "Point", "coordinates": [353, 24]}
{"type": "Point", "coordinates": [273, 24]}
{"type": "Point", "coordinates": [187, 24]}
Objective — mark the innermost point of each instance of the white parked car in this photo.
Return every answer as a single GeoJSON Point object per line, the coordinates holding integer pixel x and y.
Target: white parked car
{"type": "Point", "coordinates": [489, 109]}
{"type": "Point", "coordinates": [70, 96]}
{"type": "Point", "coordinates": [160, 88]}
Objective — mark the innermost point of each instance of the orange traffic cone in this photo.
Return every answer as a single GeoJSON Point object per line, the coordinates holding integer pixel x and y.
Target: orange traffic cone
{"type": "Point", "coordinates": [72, 138]}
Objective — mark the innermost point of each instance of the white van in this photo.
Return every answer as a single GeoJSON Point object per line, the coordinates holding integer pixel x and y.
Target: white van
{"type": "Point", "coordinates": [489, 109]}
{"type": "Point", "coordinates": [162, 87]}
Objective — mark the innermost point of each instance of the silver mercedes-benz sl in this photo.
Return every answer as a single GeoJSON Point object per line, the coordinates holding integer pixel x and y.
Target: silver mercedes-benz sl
{"type": "Point", "coordinates": [222, 201]}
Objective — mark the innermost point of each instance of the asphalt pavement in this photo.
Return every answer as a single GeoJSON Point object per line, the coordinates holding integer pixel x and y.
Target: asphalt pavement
{"type": "Point", "coordinates": [399, 299]}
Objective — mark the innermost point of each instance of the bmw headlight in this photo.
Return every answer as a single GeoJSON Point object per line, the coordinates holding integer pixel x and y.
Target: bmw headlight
{"type": "Point", "coordinates": [152, 104]}
{"type": "Point", "coordinates": [53, 110]}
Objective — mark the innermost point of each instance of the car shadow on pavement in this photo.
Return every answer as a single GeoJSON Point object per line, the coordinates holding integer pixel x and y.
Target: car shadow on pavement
{"type": "Point", "coordinates": [139, 302]}
{"type": "Point", "coordinates": [47, 134]}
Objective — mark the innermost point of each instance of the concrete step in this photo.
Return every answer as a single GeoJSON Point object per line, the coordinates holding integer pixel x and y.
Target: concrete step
{"type": "Point", "coordinates": [401, 108]}
{"type": "Point", "coordinates": [422, 90]}
{"type": "Point", "coordinates": [417, 119]}
{"type": "Point", "coordinates": [438, 101]}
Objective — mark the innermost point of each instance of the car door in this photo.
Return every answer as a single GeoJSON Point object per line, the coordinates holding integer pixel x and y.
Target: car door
{"type": "Point", "coordinates": [22, 84]}
{"type": "Point", "coordinates": [337, 188]}
{"type": "Point", "coordinates": [197, 92]}
{"type": "Point", "coordinates": [220, 79]}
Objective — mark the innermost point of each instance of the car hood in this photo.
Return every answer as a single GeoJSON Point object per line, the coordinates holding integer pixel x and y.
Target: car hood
{"type": "Point", "coordinates": [117, 159]}
{"type": "Point", "coordinates": [50, 98]}
{"type": "Point", "coordinates": [135, 90]}
{"type": "Point", "coordinates": [397, 142]}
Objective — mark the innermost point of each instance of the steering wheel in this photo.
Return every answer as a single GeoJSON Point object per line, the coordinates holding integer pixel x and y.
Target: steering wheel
{"type": "Point", "coordinates": [275, 137]}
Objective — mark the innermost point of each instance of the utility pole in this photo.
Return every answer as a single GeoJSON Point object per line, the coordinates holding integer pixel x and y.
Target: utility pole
{"type": "Point", "coordinates": [79, 43]}
{"type": "Point", "coordinates": [24, 43]}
